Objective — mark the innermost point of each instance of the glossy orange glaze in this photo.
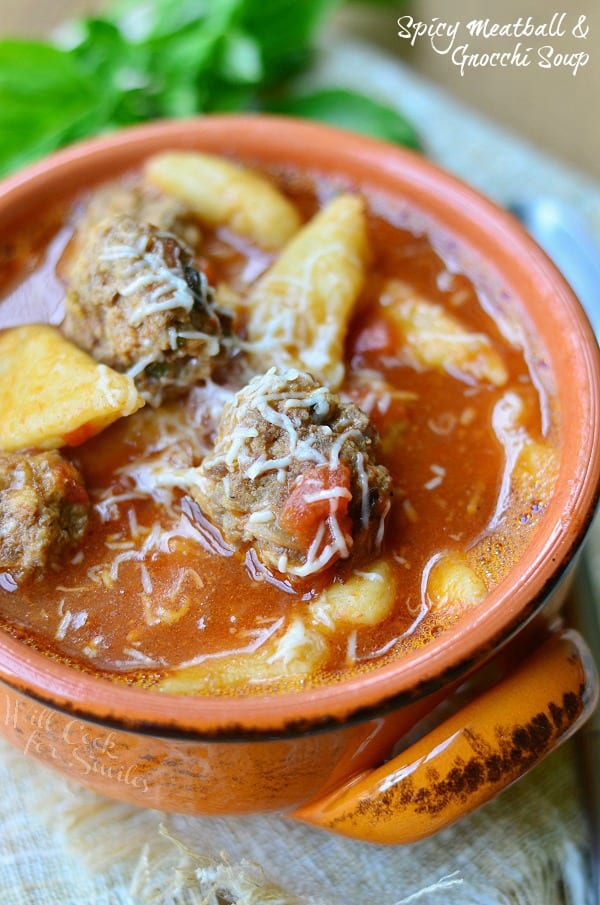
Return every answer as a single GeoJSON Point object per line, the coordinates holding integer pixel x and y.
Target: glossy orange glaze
{"type": "Point", "coordinates": [468, 758]}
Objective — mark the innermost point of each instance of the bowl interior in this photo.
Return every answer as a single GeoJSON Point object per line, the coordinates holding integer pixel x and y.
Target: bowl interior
{"type": "Point", "coordinates": [498, 255]}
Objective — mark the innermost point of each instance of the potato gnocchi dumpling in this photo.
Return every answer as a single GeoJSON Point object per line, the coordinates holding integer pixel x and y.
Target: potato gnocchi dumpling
{"type": "Point", "coordinates": [531, 465]}
{"type": "Point", "coordinates": [222, 193]}
{"type": "Point", "coordinates": [436, 339]}
{"type": "Point", "coordinates": [535, 470]}
{"type": "Point", "coordinates": [52, 394]}
{"type": "Point", "coordinates": [365, 599]}
{"type": "Point", "coordinates": [300, 310]}
{"type": "Point", "coordinates": [453, 586]}
{"type": "Point", "coordinates": [296, 652]}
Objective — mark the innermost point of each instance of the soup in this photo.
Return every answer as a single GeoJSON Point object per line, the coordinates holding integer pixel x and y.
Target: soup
{"type": "Point", "coordinates": [285, 438]}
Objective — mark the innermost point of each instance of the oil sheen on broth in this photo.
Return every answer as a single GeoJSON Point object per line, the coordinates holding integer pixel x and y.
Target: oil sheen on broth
{"type": "Point", "coordinates": [156, 595]}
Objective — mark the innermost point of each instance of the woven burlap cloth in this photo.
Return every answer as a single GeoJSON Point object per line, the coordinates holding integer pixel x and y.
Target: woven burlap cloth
{"type": "Point", "coordinates": [64, 846]}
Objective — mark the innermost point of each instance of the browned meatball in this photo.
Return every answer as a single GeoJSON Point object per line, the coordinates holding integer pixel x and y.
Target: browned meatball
{"type": "Point", "coordinates": [136, 303]}
{"type": "Point", "coordinates": [43, 512]}
{"type": "Point", "coordinates": [133, 198]}
{"type": "Point", "coordinates": [293, 473]}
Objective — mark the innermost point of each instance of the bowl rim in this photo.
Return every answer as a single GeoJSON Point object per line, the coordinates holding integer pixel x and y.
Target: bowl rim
{"type": "Point", "coordinates": [507, 249]}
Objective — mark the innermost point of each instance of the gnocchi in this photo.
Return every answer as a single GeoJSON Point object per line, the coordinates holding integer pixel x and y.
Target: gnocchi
{"type": "Point", "coordinates": [436, 339]}
{"type": "Point", "coordinates": [297, 651]}
{"type": "Point", "coordinates": [365, 599]}
{"type": "Point", "coordinates": [300, 310]}
{"type": "Point", "coordinates": [222, 193]}
{"type": "Point", "coordinates": [453, 585]}
{"type": "Point", "coordinates": [52, 394]}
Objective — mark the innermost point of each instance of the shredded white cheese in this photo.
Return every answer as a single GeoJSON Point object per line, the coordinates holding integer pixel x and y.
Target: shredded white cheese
{"type": "Point", "coordinates": [439, 475]}
{"type": "Point", "coordinates": [291, 643]}
{"type": "Point", "coordinates": [261, 517]}
{"type": "Point", "coordinates": [160, 287]}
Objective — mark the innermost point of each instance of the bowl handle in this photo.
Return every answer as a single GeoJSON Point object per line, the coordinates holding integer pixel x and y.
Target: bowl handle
{"type": "Point", "coordinates": [470, 757]}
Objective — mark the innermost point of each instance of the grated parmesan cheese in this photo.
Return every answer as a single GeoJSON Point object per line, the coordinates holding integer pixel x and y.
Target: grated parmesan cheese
{"type": "Point", "coordinates": [261, 517]}
{"type": "Point", "coordinates": [161, 287]}
{"type": "Point", "coordinates": [351, 648]}
{"type": "Point", "coordinates": [439, 475]}
{"type": "Point", "coordinates": [61, 631]}
{"type": "Point", "coordinates": [298, 644]}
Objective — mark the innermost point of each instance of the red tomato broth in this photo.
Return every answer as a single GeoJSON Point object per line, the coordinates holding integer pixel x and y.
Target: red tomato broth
{"type": "Point", "coordinates": [438, 428]}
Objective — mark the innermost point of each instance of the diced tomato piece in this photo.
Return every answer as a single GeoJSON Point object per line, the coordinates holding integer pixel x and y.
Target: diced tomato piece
{"type": "Point", "coordinates": [208, 270]}
{"type": "Point", "coordinates": [76, 493]}
{"type": "Point", "coordinates": [73, 490]}
{"type": "Point", "coordinates": [80, 434]}
{"type": "Point", "coordinates": [316, 494]}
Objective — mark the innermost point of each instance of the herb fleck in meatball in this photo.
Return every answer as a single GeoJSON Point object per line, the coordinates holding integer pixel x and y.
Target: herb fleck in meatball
{"type": "Point", "coordinates": [136, 303]}
{"type": "Point", "coordinates": [43, 512]}
{"type": "Point", "coordinates": [294, 474]}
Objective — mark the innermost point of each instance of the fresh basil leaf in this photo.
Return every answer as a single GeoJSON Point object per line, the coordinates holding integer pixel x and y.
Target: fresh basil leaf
{"type": "Point", "coordinates": [147, 59]}
{"type": "Point", "coordinates": [183, 75]}
{"type": "Point", "coordinates": [153, 20]}
{"type": "Point", "coordinates": [163, 56]}
{"type": "Point", "coordinates": [179, 100]}
{"type": "Point", "coordinates": [348, 110]}
{"type": "Point", "coordinates": [241, 60]}
{"type": "Point", "coordinates": [232, 98]}
{"type": "Point", "coordinates": [285, 32]}
{"type": "Point", "coordinates": [35, 70]}
{"type": "Point", "coordinates": [101, 47]}
{"type": "Point", "coordinates": [45, 101]}
{"type": "Point", "coordinates": [186, 65]}
{"type": "Point", "coordinates": [123, 70]}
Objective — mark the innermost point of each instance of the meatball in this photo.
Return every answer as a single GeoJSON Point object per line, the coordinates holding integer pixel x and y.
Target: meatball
{"type": "Point", "coordinates": [136, 303]}
{"type": "Point", "coordinates": [133, 198]}
{"type": "Point", "coordinates": [293, 473]}
{"type": "Point", "coordinates": [43, 512]}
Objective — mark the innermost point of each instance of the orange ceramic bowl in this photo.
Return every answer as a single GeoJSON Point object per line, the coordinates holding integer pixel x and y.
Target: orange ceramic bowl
{"type": "Point", "coordinates": [320, 754]}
